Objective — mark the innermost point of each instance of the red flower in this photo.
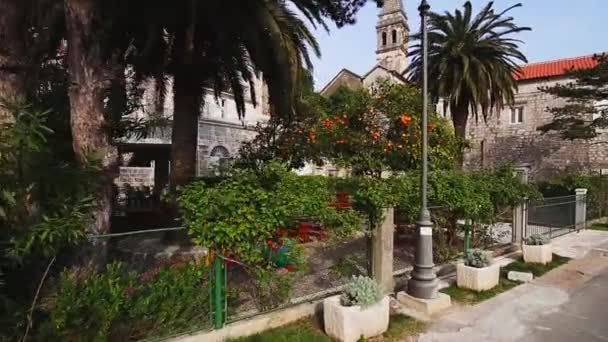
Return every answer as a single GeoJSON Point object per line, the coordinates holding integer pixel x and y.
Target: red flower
{"type": "Point", "coordinates": [405, 119]}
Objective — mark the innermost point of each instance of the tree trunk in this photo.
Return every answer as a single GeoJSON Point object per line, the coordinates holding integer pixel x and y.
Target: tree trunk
{"type": "Point", "coordinates": [187, 97]}
{"type": "Point", "coordinates": [460, 116]}
{"type": "Point", "coordinates": [90, 70]}
{"type": "Point", "coordinates": [187, 100]}
{"type": "Point", "coordinates": [12, 52]}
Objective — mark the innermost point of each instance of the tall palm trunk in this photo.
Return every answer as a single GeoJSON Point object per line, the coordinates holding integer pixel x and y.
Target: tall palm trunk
{"type": "Point", "coordinates": [187, 100]}
{"type": "Point", "coordinates": [460, 116]}
{"type": "Point", "coordinates": [187, 97]}
{"type": "Point", "coordinates": [90, 70]}
{"type": "Point", "coordinates": [12, 52]}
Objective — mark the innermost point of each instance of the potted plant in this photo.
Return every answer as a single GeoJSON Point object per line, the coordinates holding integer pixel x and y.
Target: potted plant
{"type": "Point", "coordinates": [361, 310]}
{"type": "Point", "coordinates": [537, 249]}
{"type": "Point", "coordinates": [477, 271]}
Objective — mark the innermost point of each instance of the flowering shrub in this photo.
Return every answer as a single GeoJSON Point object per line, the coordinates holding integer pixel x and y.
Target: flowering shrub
{"type": "Point", "coordinates": [377, 130]}
{"type": "Point", "coordinates": [90, 305]}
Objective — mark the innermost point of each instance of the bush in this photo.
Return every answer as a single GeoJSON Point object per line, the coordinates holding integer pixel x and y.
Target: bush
{"type": "Point", "coordinates": [537, 240]}
{"type": "Point", "coordinates": [596, 184]}
{"type": "Point", "coordinates": [362, 291]}
{"type": "Point", "coordinates": [477, 258]}
{"type": "Point", "coordinates": [90, 305]}
{"type": "Point", "coordinates": [271, 287]}
{"type": "Point", "coordinates": [241, 213]}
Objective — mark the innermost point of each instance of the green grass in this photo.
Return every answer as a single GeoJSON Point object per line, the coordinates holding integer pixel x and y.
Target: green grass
{"type": "Point", "coordinates": [600, 226]}
{"type": "Point", "coordinates": [301, 331]}
{"type": "Point", "coordinates": [399, 327]}
{"type": "Point", "coordinates": [536, 269]}
{"type": "Point", "coordinates": [467, 296]}
{"type": "Point", "coordinates": [306, 331]}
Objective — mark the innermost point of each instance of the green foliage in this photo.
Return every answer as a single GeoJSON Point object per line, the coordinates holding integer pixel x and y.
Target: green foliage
{"type": "Point", "coordinates": [302, 331]}
{"type": "Point", "coordinates": [238, 215]}
{"type": "Point", "coordinates": [89, 305]}
{"type": "Point", "coordinates": [362, 291]}
{"type": "Point", "coordinates": [477, 258]}
{"type": "Point", "coordinates": [401, 326]}
{"type": "Point", "coordinates": [537, 240]}
{"type": "Point", "coordinates": [478, 76]}
{"type": "Point", "coordinates": [599, 226]}
{"type": "Point", "coordinates": [596, 185]}
{"type": "Point", "coordinates": [471, 297]}
{"type": "Point", "coordinates": [45, 203]}
{"type": "Point", "coordinates": [271, 288]}
{"type": "Point", "coordinates": [586, 108]}
{"type": "Point", "coordinates": [367, 131]}
{"type": "Point", "coordinates": [537, 269]}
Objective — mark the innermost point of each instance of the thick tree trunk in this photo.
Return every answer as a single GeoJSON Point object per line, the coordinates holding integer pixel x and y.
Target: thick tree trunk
{"type": "Point", "coordinates": [90, 70]}
{"type": "Point", "coordinates": [460, 116]}
{"type": "Point", "coordinates": [187, 100]}
{"type": "Point", "coordinates": [12, 52]}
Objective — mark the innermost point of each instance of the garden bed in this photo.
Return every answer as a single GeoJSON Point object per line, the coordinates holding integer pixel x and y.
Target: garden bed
{"type": "Point", "coordinates": [311, 330]}
{"type": "Point", "coordinates": [471, 297]}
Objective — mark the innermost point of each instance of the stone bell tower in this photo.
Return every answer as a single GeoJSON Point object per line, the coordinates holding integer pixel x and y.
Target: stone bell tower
{"type": "Point", "coordinates": [392, 34]}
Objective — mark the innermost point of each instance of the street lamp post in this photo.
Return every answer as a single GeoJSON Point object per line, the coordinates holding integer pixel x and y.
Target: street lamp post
{"type": "Point", "coordinates": [423, 283]}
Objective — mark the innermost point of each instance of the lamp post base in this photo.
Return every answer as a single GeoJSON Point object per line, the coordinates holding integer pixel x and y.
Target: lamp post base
{"type": "Point", "coordinates": [423, 289]}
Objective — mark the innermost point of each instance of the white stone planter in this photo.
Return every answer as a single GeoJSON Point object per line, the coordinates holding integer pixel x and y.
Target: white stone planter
{"type": "Point", "coordinates": [348, 323]}
{"type": "Point", "coordinates": [477, 279]}
{"type": "Point", "coordinates": [538, 254]}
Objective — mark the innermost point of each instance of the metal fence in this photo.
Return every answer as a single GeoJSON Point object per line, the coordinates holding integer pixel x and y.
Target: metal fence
{"type": "Point", "coordinates": [552, 216]}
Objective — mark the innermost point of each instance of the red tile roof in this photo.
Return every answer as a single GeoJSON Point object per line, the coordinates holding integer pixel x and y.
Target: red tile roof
{"type": "Point", "coordinates": [554, 68]}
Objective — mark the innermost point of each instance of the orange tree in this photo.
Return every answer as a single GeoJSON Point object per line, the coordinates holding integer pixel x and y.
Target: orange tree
{"type": "Point", "coordinates": [379, 129]}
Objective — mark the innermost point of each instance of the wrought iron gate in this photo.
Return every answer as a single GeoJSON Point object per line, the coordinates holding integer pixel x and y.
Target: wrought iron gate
{"type": "Point", "coordinates": [552, 217]}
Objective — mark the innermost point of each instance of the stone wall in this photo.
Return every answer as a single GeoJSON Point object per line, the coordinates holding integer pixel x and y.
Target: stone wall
{"type": "Point", "coordinates": [498, 141]}
{"type": "Point", "coordinates": [213, 134]}
{"type": "Point", "coordinates": [135, 176]}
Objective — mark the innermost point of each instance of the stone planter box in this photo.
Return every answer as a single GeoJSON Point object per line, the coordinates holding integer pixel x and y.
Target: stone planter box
{"type": "Point", "coordinates": [348, 323]}
{"type": "Point", "coordinates": [477, 279]}
{"type": "Point", "coordinates": [538, 254]}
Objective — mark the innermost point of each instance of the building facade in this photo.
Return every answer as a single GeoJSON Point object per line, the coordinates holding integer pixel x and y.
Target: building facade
{"type": "Point", "coordinates": [220, 133]}
{"type": "Point", "coordinates": [511, 135]}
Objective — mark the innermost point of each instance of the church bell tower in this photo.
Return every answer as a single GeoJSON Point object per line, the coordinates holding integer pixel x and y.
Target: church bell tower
{"type": "Point", "coordinates": [392, 34]}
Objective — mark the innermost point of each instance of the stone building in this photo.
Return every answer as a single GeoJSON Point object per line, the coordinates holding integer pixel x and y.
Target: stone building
{"type": "Point", "coordinates": [511, 136]}
{"type": "Point", "coordinates": [220, 133]}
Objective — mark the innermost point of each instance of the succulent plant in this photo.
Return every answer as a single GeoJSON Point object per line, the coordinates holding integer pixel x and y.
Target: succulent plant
{"type": "Point", "coordinates": [362, 291]}
{"type": "Point", "coordinates": [537, 240]}
{"type": "Point", "coordinates": [477, 258]}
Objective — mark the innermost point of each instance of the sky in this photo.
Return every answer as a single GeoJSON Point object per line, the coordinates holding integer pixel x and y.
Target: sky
{"type": "Point", "coordinates": [560, 29]}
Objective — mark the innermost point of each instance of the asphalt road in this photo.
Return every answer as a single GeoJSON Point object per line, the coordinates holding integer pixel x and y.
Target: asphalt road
{"type": "Point", "coordinates": [584, 318]}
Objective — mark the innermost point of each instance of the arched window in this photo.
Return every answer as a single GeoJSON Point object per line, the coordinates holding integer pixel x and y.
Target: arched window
{"type": "Point", "coordinates": [394, 34]}
{"type": "Point", "coordinates": [219, 159]}
{"type": "Point", "coordinates": [383, 38]}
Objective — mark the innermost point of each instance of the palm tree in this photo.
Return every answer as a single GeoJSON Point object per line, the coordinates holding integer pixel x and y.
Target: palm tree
{"type": "Point", "coordinates": [472, 61]}
{"type": "Point", "coordinates": [224, 45]}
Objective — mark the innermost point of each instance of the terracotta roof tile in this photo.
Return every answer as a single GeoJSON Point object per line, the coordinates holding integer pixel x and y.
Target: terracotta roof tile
{"type": "Point", "coordinates": [554, 68]}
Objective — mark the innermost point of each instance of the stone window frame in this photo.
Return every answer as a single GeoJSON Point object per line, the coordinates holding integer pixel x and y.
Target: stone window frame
{"type": "Point", "coordinates": [394, 36]}
{"type": "Point", "coordinates": [522, 114]}
{"type": "Point", "coordinates": [223, 157]}
{"type": "Point", "coordinates": [384, 38]}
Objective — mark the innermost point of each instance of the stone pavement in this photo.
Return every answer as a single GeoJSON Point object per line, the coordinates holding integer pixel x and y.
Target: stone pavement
{"type": "Point", "coordinates": [533, 311]}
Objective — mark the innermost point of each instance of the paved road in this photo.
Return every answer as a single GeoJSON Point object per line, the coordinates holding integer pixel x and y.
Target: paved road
{"type": "Point", "coordinates": [567, 304]}
{"type": "Point", "coordinates": [583, 318]}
